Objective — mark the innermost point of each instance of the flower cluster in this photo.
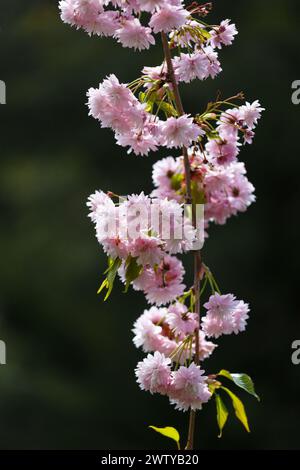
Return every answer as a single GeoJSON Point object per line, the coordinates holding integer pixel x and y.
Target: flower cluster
{"type": "Point", "coordinates": [122, 20]}
{"type": "Point", "coordinates": [170, 331]}
{"type": "Point", "coordinates": [116, 107]}
{"type": "Point", "coordinates": [148, 232]}
{"type": "Point", "coordinates": [225, 315]}
{"type": "Point", "coordinates": [225, 190]}
{"type": "Point", "coordinates": [186, 387]}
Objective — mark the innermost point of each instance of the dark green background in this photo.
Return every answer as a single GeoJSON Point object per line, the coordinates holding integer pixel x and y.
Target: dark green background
{"type": "Point", "coordinates": [69, 380]}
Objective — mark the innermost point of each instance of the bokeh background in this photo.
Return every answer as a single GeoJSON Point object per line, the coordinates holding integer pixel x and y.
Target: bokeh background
{"type": "Point", "coordinates": [69, 380]}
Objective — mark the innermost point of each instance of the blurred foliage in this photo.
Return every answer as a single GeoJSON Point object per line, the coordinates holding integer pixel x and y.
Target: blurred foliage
{"type": "Point", "coordinates": [69, 381]}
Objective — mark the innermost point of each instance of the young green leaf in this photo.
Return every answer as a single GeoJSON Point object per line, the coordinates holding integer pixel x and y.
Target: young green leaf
{"type": "Point", "coordinates": [133, 270]}
{"type": "Point", "coordinates": [111, 272]}
{"type": "Point", "coordinates": [243, 381]}
{"type": "Point", "coordinates": [197, 195]}
{"type": "Point", "coordinates": [168, 109]}
{"type": "Point", "coordinates": [142, 96]}
{"type": "Point", "coordinates": [222, 413]}
{"type": "Point", "coordinates": [176, 181]}
{"type": "Point", "coordinates": [205, 35]}
{"type": "Point", "coordinates": [170, 432]}
{"type": "Point", "coordinates": [238, 408]}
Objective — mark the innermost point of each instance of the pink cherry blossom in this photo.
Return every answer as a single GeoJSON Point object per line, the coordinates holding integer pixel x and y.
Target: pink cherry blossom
{"type": "Point", "coordinates": [139, 141]}
{"type": "Point", "coordinates": [150, 5]}
{"type": "Point", "coordinates": [179, 132]}
{"type": "Point", "coordinates": [225, 315]}
{"type": "Point", "coordinates": [240, 317]}
{"type": "Point", "coordinates": [223, 34]}
{"type": "Point", "coordinates": [222, 152]}
{"type": "Point", "coordinates": [133, 34]}
{"type": "Point", "coordinates": [172, 226]}
{"type": "Point", "coordinates": [148, 331]}
{"type": "Point", "coordinates": [220, 304]}
{"type": "Point", "coordinates": [167, 18]}
{"type": "Point", "coordinates": [106, 23]}
{"type": "Point", "coordinates": [213, 63]}
{"type": "Point", "coordinates": [163, 284]}
{"type": "Point", "coordinates": [154, 373]}
{"type": "Point", "coordinates": [98, 202]}
{"type": "Point", "coordinates": [251, 113]}
{"type": "Point", "coordinates": [181, 320]}
{"type": "Point", "coordinates": [206, 348]}
{"type": "Point", "coordinates": [163, 170]}
{"type": "Point", "coordinates": [191, 66]}
{"type": "Point", "coordinates": [115, 106]}
{"type": "Point", "coordinates": [240, 194]}
{"type": "Point", "coordinates": [189, 388]}
{"type": "Point", "coordinates": [147, 250]}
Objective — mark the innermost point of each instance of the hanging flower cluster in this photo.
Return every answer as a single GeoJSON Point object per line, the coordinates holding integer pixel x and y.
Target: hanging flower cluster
{"type": "Point", "coordinates": [142, 235]}
{"type": "Point", "coordinates": [116, 107]}
{"type": "Point", "coordinates": [225, 190]}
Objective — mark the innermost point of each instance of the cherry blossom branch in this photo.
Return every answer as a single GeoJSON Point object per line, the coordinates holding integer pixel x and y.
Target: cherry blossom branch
{"type": "Point", "coordinates": [147, 114]}
{"type": "Point", "coordinates": [189, 200]}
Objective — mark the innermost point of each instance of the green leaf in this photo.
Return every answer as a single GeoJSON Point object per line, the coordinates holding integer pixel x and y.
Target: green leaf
{"type": "Point", "coordinates": [149, 98]}
{"type": "Point", "coordinates": [133, 270]}
{"type": "Point", "coordinates": [243, 381]}
{"type": "Point", "coordinates": [197, 195]}
{"type": "Point", "coordinates": [176, 181]}
{"type": "Point", "coordinates": [168, 109]}
{"type": "Point", "coordinates": [238, 408]}
{"type": "Point", "coordinates": [170, 432]}
{"type": "Point", "coordinates": [214, 386]}
{"type": "Point", "coordinates": [222, 413]}
{"type": "Point", "coordinates": [108, 283]}
{"type": "Point", "coordinates": [212, 134]}
{"type": "Point", "coordinates": [205, 34]}
{"type": "Point", "coordinates": [142, 96]}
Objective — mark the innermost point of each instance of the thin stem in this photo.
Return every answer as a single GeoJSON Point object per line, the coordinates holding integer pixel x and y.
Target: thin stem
{"type": "Point", "coordinates": [189, 200]}
{"type": "Point", "coordinates": [180, 110]}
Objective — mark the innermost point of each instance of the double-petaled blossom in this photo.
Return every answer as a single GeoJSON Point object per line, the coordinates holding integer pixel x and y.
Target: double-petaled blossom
{"type": "Point", "coordinates": [179, 132]}
{"type": "Point", "coordinates": [222, 151]}
{"type": "Point", "coordinates": [189, 389]}
{"type": "Point", "coordinates": [90, 15]}
{"type": "Point", "coordinates": [180, 320]}
{"type": "Point", "coordinates": [154, 373]}
{"type": "Point", "coordinates": [163, 283]}
{"type": "Point", "coordinates": [165, 329]}
{"type": "Point", "coordinates": [223, 34]}
{"type": "Point", "coordinates": [225, 315]}
{"type": "Point", "coordinates": [186, 387]}
{"type": "Point", "coordinates": [133, 34]}
{"type": "Point", "coordinates": [191, 66]}
{"type": "Point", "coordinates": [168, 17]}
